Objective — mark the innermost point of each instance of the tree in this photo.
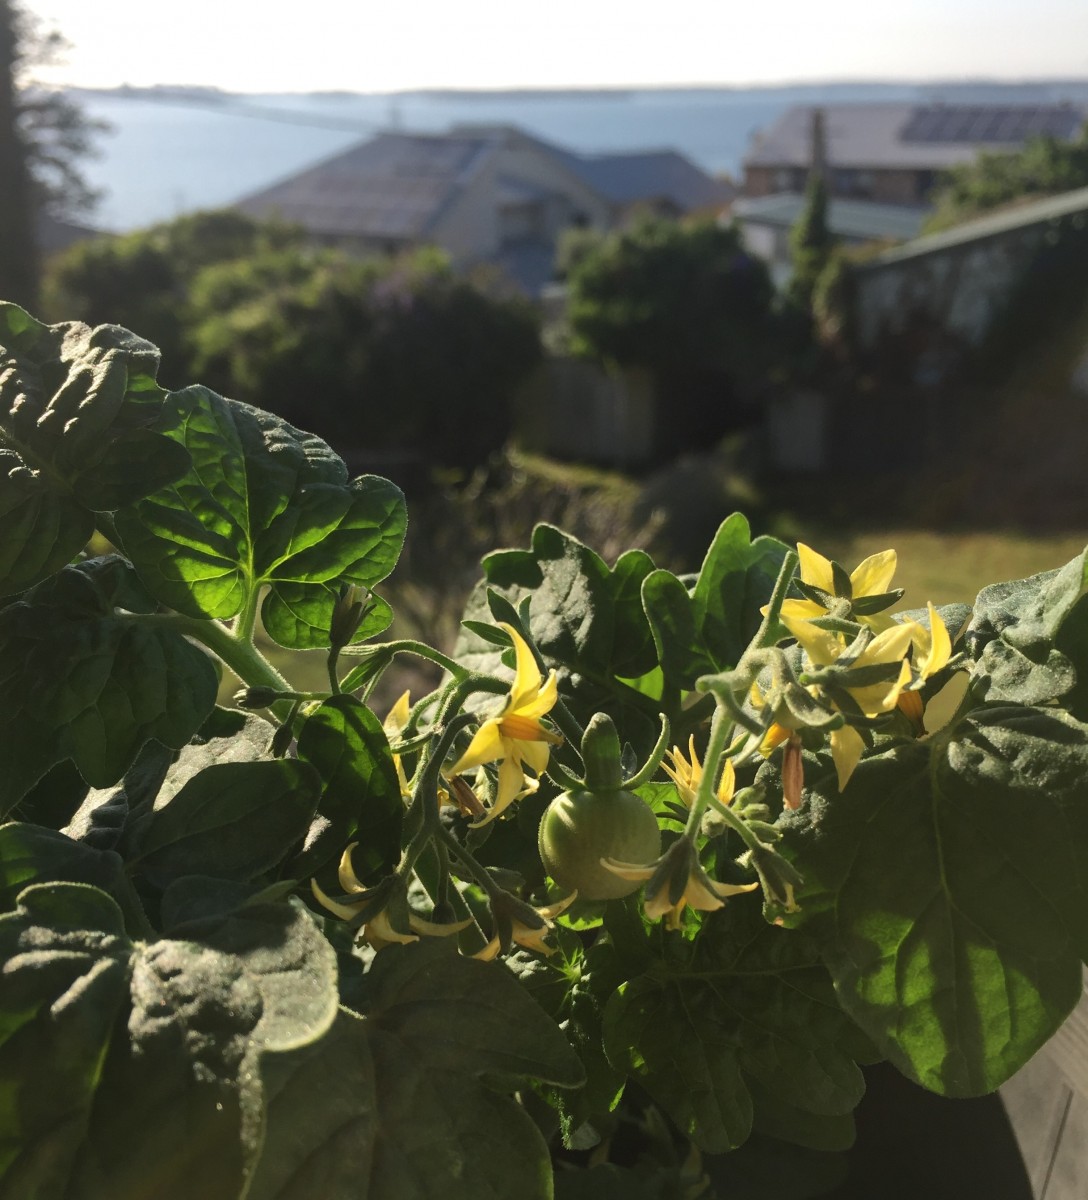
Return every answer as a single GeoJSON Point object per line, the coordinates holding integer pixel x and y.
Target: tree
{"type": "Point", "coordinates": [388, 355]}
{"type": "Point", "coordinates": [811, 242]}
{"type": "Point", "coordinates": [43, 137]}
{"type": "Point", "coordinates": [18, 256]}
{"type": "Point", "coordinates": [143, 280]}
{"type": "Point", "coordinates": [1043, 167]}
{"type": "Point", "coordinates": [687, 303]}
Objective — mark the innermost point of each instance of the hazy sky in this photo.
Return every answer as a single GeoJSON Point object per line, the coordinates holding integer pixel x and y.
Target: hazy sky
{"type": "Point", "coordinates": [378, 45]}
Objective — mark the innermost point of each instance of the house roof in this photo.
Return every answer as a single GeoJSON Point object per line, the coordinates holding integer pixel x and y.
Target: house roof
{"type": "Point", "coordinates": [862, 220]}
{"type": "Point", "coordinates": [906, 135]}
{"type": "Point", "coordinates": [1036, 212]}
{"type": "Point", "coordinates": [651, 175]}
{"type": "Point", "coordinates": [393, 186]}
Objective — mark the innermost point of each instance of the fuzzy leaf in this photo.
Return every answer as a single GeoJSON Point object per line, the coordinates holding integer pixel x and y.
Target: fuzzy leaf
{"type": "Point", "coordinates": [81, 681]}
{"type": "Point", "coordinates": [756, 1003]}
{"type": "Point", "coordinates": [80, 422]}
{"type": "Point", "coordinates": [264, 504]}
{"type": "Point", "coordinates": [949, 886]}
{"type": "Point", "coordinates": [392, 1106]}
{"type": "Point", "coordinates": [234, 821]}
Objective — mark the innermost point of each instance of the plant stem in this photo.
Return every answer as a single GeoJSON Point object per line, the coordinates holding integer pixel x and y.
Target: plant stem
{"type": "Point", "coordinates": [242, 657]}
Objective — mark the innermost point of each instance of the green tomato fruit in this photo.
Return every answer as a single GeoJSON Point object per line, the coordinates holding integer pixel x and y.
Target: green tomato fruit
{"type": "Point", "coordinates": [580, 828]}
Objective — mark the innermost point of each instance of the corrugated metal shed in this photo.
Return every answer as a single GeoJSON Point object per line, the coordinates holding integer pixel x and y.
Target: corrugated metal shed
{"type": "Point", "coordinates": [1037, 212]}
{"type": "Point", "coordinates": [861, 220]}
{"type": "Point", "coordinates": [392, 187]}
{"type": "Point", "coordinates": [907, 136]}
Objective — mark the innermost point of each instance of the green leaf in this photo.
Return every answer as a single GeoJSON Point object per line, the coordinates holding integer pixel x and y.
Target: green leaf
{"type": "Point", "coordinates": [204, 1011]}
{"type": "Point", "coordinates": [81, 680]}
{"type": "Point", "coordinates": [736, 579]}
{"type": "Point", "coordinates": [346, 745]}
{"type": "Point", "coordinates": [668, 607]}
{"type": "Point", "coordinates": [264, 504]}
{"type": "Point", "coordinates": [1012, 633]}
{"type": "Point", "coordinates": [80, 422]}
{"type": "Point", "coordinates": [232, 821]}
{"type": "Point", "coordinates": [707, 629]}
{"type": "Point", "coordinates": [30, 854]}
{"type": "Point", "coordinates": [757, 1004]}
{"type": "Point", "coordinates": [949, 886]}
{"type": "Point", "coordinates": [392, 1106]}
{"type": "Point", "coordinates": [66, 970]}
{"type": "Point", "coordinates": [586, 620]}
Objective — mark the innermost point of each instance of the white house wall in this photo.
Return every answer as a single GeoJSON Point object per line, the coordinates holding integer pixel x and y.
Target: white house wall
{"type": "Point", "coordinates": [468, 228]}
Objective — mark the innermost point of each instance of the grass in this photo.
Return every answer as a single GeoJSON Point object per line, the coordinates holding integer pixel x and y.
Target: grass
{"type": "Point", "coordinates": [949, 567]}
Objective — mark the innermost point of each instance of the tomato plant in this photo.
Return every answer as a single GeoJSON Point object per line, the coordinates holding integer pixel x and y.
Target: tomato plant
{"type": "Point", "coordinates": [293, 947]}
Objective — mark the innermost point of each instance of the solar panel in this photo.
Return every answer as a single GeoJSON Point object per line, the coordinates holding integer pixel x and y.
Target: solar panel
{"type": "Point", "coordinates": [996, 124]}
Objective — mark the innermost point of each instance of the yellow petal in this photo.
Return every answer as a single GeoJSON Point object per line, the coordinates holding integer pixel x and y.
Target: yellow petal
{"type": "Point", "coordinates": [526, 672]}
{"type": "Point", "coordinates": [532, 754]}
{"type": "Point", "coordinates": [626, 870]}
{"type": "Point", "coordinates": [397, 717]}
{"type": "Point", "coordinates": [727, 783]}
{"type": "Point", "coordinates": [886, 647]}
{"type": "Point", "coordinates": [823, 648]}
{"type": "Point", "coordinates": [435, 928]}
{"type": "Point", "coordinates": [349, 881]}
{"type": "Point", "coordinates": [940, 645]}
{"type": "Point", "coordinates": [877, 698]}
{"type": "Point", "coordinates": [486, 746]}
{"type": "Point", "coordinates": [541, 702]}
{"type": "Point", "coordinates": [658, 906]}
{"type": "Point", "coordinates": [847, 748]}
{"type": "Point", "coordinates": [549, 912]}
{"type": "Point", "coordinates": [874, 574]}
{"type": "Point", "coordinates": [800, 610]}
{"type": "Point", "coordinates": [344, 911]}
{"type": "Point", "coordinates": [380, 932]}
{"type": "Point", "coordinates": [698, 895]}
{"type": "Point", "coordinates": [489, 952]}
{"type": "Point", "coordinates": [512, 786]}
{"type": "Point", "coordinates": [815, 569]}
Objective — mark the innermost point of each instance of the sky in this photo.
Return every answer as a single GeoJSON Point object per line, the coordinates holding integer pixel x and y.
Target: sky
{"type": "Point", "coordinates": [388, 45]}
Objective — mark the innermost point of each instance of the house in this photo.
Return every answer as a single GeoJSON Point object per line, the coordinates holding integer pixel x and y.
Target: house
{"type": "Point", "coordinates": [893, 153]}
{"type": "Point", "coordinates": [766, 222]}
{"type": "Point", "coordinates": [485, 194]}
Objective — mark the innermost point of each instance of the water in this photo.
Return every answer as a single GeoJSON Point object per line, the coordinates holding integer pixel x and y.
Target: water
{"type": "Point", "coordinates": [168, 155]}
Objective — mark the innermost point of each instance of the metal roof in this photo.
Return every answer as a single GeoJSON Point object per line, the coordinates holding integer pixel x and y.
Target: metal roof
{"type": "Point", "coordinates": [876, 135]}
{"type": "Point", "coordinates": [1036, 212]}
{"type": "Point", "coordinates": [860, 219]}
{"type": "Point", "coordinates": [393, 186]}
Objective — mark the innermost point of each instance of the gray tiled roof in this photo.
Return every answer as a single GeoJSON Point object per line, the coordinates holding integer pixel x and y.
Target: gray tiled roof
{"type": "Point", "coordinates": [906, 135]}
{"type": "Point", "coordinates": [651, 175]}
{"type": "Point", "coordinates": [393, 186]}
{"type": "Point", "coordinates": [862, 219]}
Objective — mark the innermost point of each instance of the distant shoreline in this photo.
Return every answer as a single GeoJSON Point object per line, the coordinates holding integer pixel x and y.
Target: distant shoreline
{"type": "Point", "coordinates": [997, 87]}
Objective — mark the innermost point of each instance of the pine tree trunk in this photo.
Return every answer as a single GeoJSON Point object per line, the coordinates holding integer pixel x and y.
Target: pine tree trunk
{"type": "Point", "coordinates": [18, 252]}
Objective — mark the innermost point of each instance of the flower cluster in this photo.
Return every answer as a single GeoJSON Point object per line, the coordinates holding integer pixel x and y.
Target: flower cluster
{"type": "Point", "coordinates": [861, 663]}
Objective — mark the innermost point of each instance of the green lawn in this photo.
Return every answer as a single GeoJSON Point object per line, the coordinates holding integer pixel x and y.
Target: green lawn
{"type": "Point", "coordinates": [953, 567]}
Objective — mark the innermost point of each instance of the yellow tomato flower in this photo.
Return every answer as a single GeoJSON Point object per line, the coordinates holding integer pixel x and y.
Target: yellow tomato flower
{"type": "Point", "coordinates": [377, 929]}
{"type": "Point", "coordinates": [530, 929]}
{"type": "Point", "coordinates": [687, 772]}
{"type": "Point", "coordinates": [517, 738]}
{"type": "Point", "coordinates": [825, 649]}
{"type": "Point", "coordinates": [932, 651]}
{"type": "Point", "coordinates": [395, 720]}
{"type": "Point", "coordinates": [677, 880]}
{"type": "Point", "coordinates": [871, 577]}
